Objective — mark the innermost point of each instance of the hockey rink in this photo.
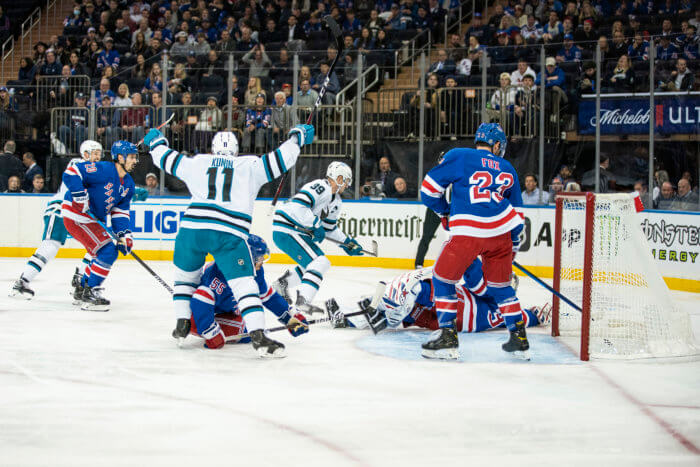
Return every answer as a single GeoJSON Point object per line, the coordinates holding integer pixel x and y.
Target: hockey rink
{"type": "Point", "coordinates": [112, 389]}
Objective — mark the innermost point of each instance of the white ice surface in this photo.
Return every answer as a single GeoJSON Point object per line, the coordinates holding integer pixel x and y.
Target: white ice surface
{"type": "Point", "coordinates": [103, 389]}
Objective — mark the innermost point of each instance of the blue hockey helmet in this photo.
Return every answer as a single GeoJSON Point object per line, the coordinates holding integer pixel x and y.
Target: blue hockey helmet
{"type": "Point", "coordinates": [258, 248]}
{"type": "Point", "coordinates": [123, 148]}
{"type": "Point", "coordinates": [490, 134]}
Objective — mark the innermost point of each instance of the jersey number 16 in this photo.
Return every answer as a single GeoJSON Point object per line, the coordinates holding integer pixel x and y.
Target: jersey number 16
{"type": "Point", "coordinates": [226, 189]}
{"type": "Point", "coordinates": [480, 192]}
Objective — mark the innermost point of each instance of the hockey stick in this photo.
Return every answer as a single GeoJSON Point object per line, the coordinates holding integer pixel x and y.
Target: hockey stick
{"type": "Point", "coordinates": [338, 36]}
{"type": "Point", "coordinates": [133, 253]}
{"type": "Point", "coordinates": [547, 286]}
{"type": "Point", "coordinates": [238, 337]}
{"type": "Point", "coordinates": [170, 119]}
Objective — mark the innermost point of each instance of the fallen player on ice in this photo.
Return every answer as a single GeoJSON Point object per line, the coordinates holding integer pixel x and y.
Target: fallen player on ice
{"type": "Point", "coordinates": [408, 300]}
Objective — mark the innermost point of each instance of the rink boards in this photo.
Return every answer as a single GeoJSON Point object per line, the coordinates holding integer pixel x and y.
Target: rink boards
{"type": "Point", "coordinates": [674, 238]}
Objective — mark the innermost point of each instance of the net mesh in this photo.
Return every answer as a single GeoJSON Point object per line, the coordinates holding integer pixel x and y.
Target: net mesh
{"type": "Point", "coordinates": [632, 313]}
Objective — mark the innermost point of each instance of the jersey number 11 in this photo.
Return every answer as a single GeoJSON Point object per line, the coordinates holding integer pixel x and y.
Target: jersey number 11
{"type": "Point", "coordinates": [226, 189]}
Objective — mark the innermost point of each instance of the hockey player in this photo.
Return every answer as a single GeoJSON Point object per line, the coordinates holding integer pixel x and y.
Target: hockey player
{"type": "Point", "coordinates": [55, 233]}
{"type": "Point", "coordinates": [408, 301]}
{"type": "Point", "coordinates": [302, 222]}
{"type": "Point", "coordinates": [218, 220]}
{"type": "Point", "coordinates": [215, 314]}
{"type": "Point", "coordinates": [97, 190]}
{"type": "Point", "coordinates": [481, 217]}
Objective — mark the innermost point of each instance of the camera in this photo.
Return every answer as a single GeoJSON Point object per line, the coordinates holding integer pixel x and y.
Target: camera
{"type": "Point", "coordinates": [373, 189]}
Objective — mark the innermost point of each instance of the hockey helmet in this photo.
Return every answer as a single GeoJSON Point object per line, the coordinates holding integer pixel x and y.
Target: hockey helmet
{"type": "Point", "coordinates": [258, 248]}
{"type": "Point", "coordinates": [88, 147]}
{"type": "Point", "coordinates": [490, 134]}
{"type": "Point", "coordinates": [225, 144]}
{"type": "Point", "coordinates": [123, 148]}
{"type": "Point", "coordinates": [342, 169]}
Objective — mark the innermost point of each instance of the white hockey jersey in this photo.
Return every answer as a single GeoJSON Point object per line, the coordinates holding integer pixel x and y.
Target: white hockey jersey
{"type": "Point", "coordinates": [313, 205]}
{"type": "Point", "coordinates": [401, 293]}
{"type": "Point", "coordinates": [53, 207]}
{"type": "Point", "coordinates": [224, 188]}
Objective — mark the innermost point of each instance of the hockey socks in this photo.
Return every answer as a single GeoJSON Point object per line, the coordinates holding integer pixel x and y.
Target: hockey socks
{"type": "Point", "coordinates": [445, 302]}
{"type": "Point", "coordinates": [101, 265]}
{"type": "Point", "coordinates": [245, 291]}
{"type": "Point", "coordinates": [312, 278]}
{"type": "Point", "coordinates": [186, 282]}
{"type": "Point", "coordinates": [45, 253]}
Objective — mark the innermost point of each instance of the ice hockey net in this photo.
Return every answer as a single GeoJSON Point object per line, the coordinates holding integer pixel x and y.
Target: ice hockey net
{"type": "Point", "coordinates": [603, 263]}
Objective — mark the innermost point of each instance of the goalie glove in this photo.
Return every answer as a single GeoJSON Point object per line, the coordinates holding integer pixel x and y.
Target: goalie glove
{"type": "Point", "coordinates": [375, 317]}
{"type": "Point", "coordinates": [125, 242]}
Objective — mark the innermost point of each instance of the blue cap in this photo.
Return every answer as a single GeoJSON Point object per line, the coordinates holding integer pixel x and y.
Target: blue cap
{"type": "Point", "coordinates": [123, 148]}
{"type": "Point", "coordinates": [568, 36]}
{"type": "Point", "coordinates": [490, 134]}
{"type": "Point", "coordinates": [502, 32]}
{"type": "Point", "coordinates": [258, 248]}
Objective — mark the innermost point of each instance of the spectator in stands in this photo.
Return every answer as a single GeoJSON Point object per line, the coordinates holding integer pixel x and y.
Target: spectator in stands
{"type": "Point", "coordinates": [375, 23]}
{"type": "Point", "coordinates": [154, 82]}
{"type": "Point", "coordinates": [526, 106]}
{"type": "Point", "coordinates": [666, 197]}
{"type": "Point", "coordinates": [351, 23]}
{"type": "Point", "coordinates": [122, 98]}
{"type": "Point", "coordinates": [531, 31]}
{"type": "Point", "coordinates": [688, 44]}
{"type": "Point", "coordinates": [108, 119]}
{"type": "Point", "coordinates": [102, 91]}
{"type": "Point", "coordinates": [73, 131]}
{"type": "Point", "coordinates": [452, 108]}
{"type": "Point", "coordinates": [152, 185]}
{"type": "Point", "coordinates": [258, 62]}
{"type": "Point", "coordinates": [586, 36]}
{"type": "Point", "coordinates": [502, 98]}
{"type": "Point", "coordinates": [159, 115]}
{"type": "Point", "coordinates": [133, 120]}
{"type": "Point", "coordinates": [154, 48]}
{"type": "Point", "coordinates": [201, 47]}
{"type": "Point", "coordinates": [686, 200]}
{"type": "Point", "coordinates": [638, 49]}
{"type": "Point", "coordinates": [695, 22]}
{"type": "Point", "coordinates": [38, 184]}
{"type": "Point", "coordinates": [212, 67]}
{"type": "Point", "coordinates": [665, 50]}
{"type": "Point", "coordinates": [333, 84]}
{"type": "Point", "coordinates": [73, 24]}
{"type": "Point", "coordinates": [532, 194]}
{"type": "Point", "coordinates": [238, 91]}
{"type": "Point", "coordinates": [10, 165]}
{"type": "Point", "coordinates": [109, 56]}
{"type": "Point", "coordinates": [39, 56]}
{"type": "Point", "coordinates": [553, 30]}
{"type": "Point", "coordinates": [554, 76]}
{"type": "Point", "coordinates": [619, 45]}
{"type": "Point", "coordinates": [503, 53]}
{"type": "Point", "coordinates": [680, 79]}
{"type": "Point", "coordinates": [621, 78]}
{"type": "Point", "coordinates": [586, 83]}
{"type": "Point", "coordinates": [475, 50]}
{"type": "Point", "coordinates": [180, 48]}
{"type": "Point", "coordinates": [386, 175]}
{"type": "Point", "coordinates": [306, 97]}
{"type": "Point", "coordinates": [139, 46]}
{"type": "Point", "coordinates": [32, 169]}
{"type": "Point", "coordinates": [443, 66]}
{"type": "Point", "coordinates": [271, 33]}
{"type": "Point", "coordinates": [5, 28]}
{"type": "Point", "coordinates": [395, 21]}
{"type": "Point", "coordinates": [556, 187]}
{"type": "Point", "coordinates": [516, 77]}
{"type": "Point", "coordinates": [437, 13]}
{"type": "Point", "coordinates": [14, 185]}
{"type": "Point", "coordinates": [293, 34]}
{"type": "Point", "coordinates": [122, 36]}
{"type": "Point", "coordinates": [257, 122]}
{"type": "Point", "coordinates": [423, 21]}
{"type": "Point", "coordinates": [26, 71]}
{"type": "Point", "coordinates": [569, 53]}
{"type": "Point", "coordinates": [401, 189]}
{"type": "Point", "coordinates": [252, 90]}
{"type": "Point", "coordinates": [365, 42]}
{"type": "Point", "coordinates": [607, 182]}
{"type": "Point", "coordinates": [643, 192]}
{"type": "Point", "coordinates": [464, 66]}
{"type": "Point", "coordinates": [282, 118]}
{"type": "Point", "coordinates": [51, 66]}
{"type": "Point", "coordinates": [8, 109]}
{"type": "Point", "coordinates": [140, 70]}
{"type": "Point", "coordinates": [227, 43]}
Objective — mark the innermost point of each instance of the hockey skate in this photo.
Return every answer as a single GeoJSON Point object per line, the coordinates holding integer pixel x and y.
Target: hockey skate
{"type": "Point", "coordinates": [93, 300]}
{"type": "Point", "coordinates": [20, 289]}
{"type": "Point", "coordinates": [336, 317]}
{"type": "Point", "coordinates": [306, 308]}
{"type": "Point", "coordinates": [281, 286]}
{"type": "Point", "coordinates": [182, 330]}
{"type": "Point", "coordinates": [266, 347]}
{"type": "Point", "coordinates": [443, 344]}
{"type": "Point", "coordinates": [77, 288]}
{"type": "Point", "coordinates": [518, 344]}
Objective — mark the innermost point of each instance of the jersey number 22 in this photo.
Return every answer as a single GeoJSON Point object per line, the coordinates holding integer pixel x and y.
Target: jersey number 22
{"type": "Point", "coordinates": [226, 189]}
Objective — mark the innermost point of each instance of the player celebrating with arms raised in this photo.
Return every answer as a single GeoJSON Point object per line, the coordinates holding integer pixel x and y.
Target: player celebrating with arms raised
{"type": "Point", "coordinates": [302, 222]}
{"type": "Point", "coordinates": [218, 219]}
{"type": "Point", "coordinates": [481, 216]}
{"type": "Point", "coordinates": [96, 190]}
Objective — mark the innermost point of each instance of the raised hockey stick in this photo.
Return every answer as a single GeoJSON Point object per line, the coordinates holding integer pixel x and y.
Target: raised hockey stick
{"type": "Point", "coordinates": [338, 36]}
{"type": "Point", "coordinates": [170, 119]}
{"type": "Point", "coordinates": [136, 257]}
{"type": "Point", "coordinates": [238, 337]}
{"type": "Point", "coordinates": [547, 286]}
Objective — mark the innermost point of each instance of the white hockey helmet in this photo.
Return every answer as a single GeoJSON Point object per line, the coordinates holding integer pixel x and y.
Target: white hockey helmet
{"type": "Point", "coordinates": [87, 148]}
{"type": "Point", "coordinates": [225, 144]}
{"type": "Point", "coordinates": [342, 169]}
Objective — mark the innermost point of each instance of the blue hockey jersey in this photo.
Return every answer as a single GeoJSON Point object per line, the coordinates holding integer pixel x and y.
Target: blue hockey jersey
{"type": "Point", "coordinates": [109, 194]}
{"type": "Point", "coordinates": [485, 193]}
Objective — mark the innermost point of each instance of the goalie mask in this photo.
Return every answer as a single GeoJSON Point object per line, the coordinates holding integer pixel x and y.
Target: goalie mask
{"type": "Point", "coordinates": [336, 169]}
{"type": "Point", "coordinates": [224, 144]}
{"type": "Point", "coordinates": [91, 150]}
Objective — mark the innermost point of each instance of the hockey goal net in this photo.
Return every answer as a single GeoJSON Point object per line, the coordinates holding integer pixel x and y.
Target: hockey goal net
{"type": "Point", "coordinates": [603, 264]}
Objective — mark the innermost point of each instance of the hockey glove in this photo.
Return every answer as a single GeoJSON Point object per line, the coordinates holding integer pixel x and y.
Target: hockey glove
{"type": "Point", "coordinates": [304, 133]}
{"type": "Point", "coordinates": [318, 232]}
{"type": "Point", "coordinates": [125, 242]}
{"type": "Point", "coordinates": [297, 325]}
{"type": "Point", "coordinates": [140, 194]}
{"type": "Point", "coordinates": [351, 247]}
{"type": "Point", "coordinates": [336, 316]}
{"type": "Point", "coordinates": [81, 201]}
{"type": "Point", "coordinates": [445, 221]}
{"type": "Point", "coordinates": [375, 318]}
{"type": "Point", "coordinates": [154, 138]}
